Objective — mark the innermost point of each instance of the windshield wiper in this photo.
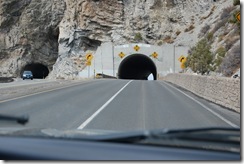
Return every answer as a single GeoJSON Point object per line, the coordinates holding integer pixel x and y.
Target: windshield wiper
{"type": "Point", "coordinates": [224, 139]}
{"type": "Point", "coordinates": [19, 119]}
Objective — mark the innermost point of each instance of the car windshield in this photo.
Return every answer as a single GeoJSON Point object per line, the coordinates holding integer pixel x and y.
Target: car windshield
{"type": "Point", "coordinates": [28, 72]}
{"type": "Point", "coordinates": [165, 68]}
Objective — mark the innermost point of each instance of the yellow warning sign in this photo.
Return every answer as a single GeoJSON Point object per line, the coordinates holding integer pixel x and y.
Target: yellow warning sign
{"type": "Point", "coordinates": [89, 57]}
{"type": "Point", "coordinates": [136, 48]}
{"type": "Point", "coordinates": [182, 66]}
{"type": "Point", "coordinates": [181, 58]}
{"type": "Point", "coordinates": [155, 55]}
{"type": "Point", "coordinates": [183, 61]}
{"type": "Point", "coordinates": [121, 55]}
{"type": "Point", "coordinates": [238, 16]}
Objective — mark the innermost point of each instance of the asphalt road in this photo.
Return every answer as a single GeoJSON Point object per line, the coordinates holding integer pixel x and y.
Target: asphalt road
{"type": "Point", "coordinates": [118, 105]}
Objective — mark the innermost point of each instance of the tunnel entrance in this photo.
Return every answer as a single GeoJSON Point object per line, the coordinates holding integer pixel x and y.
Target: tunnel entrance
{"type": "Point", "coordinates": [137, 67]}
{"type": "Point", "coordinates": [38, 70]}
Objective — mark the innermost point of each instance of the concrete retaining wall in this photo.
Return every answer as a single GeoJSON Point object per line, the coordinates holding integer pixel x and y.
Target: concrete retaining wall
{"type": "Point", "coordinates": [220, 90]}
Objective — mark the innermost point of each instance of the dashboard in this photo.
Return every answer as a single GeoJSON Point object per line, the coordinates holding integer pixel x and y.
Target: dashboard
{"type": "Point", "coordinates": [29, 148]}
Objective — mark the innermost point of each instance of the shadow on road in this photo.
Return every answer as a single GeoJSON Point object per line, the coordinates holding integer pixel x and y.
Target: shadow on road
{"type": "Point", "coordinates": [6, 79]}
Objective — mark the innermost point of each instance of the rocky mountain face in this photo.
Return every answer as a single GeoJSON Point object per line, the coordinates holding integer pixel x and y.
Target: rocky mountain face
{"type": "Point", "coordinates": [29, 33]}
{"type": "Point", "coordinates": [58, 33]}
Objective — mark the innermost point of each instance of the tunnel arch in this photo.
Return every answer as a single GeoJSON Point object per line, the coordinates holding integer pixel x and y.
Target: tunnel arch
{"type": "Point", "coordinates": [38, 70]}
{"type": "Point", "coordinates": [137, 67]}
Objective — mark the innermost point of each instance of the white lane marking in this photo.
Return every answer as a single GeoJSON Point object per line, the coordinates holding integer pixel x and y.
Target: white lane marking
{"type": "Point", "coordinates": [84, 124]}
{"type": "Point", "coordinates": [207, 108]}
{"type": "Point", "coordinates": [32, 94]}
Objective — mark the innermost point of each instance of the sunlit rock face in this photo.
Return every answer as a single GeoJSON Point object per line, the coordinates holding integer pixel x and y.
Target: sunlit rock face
{"type": "Point", "coordinates": [59, 33]}
{"type": "Point", "coordinates": [29, 32]}
{"type": "Point", "coordinates": [85, 25]}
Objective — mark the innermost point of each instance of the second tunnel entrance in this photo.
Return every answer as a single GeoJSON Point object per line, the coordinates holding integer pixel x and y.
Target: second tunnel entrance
{"type": "Point", "coordinates": [38, 70]}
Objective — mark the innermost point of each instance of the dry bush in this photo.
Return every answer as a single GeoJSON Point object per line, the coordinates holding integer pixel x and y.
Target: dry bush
{"type": "Point", "coordinates": [160, 43]}
{"type": "Point", "coordinates": [138, 37]}
{"type": "Point", "coordinates": [60, 78]}
{"type": "Point", "coordinates": [221, 37]}
{"type": "Point", "coordinates": [237, 30]}
{"type": "Point", "coordinates": [6, 79]}
{"type": "Point", "coordinates": [204, 30]}
{"type": "Point", "coordinates": [232, 61]}
{"type": "Point", "coordinates": [210, 36]}
{"type": "Point", "coordinates": [226, 12]}
{"type": "Point", "coordinates": [230, 42]}
{"type": "Point", "coordinates": [178, 32]}
{"type": "Point", "coordinates": [236, 2]}
{"type": "Point", "coordinates": [210, 13]}
{"type": "Point", "coordinates": [3, 54]}
{"type": "Point", "coordinates": [191, 27]}
{"type": "Point", "coordinates": [224, 18]}
{"type": "Point", "coordinates": [220, 24]}
{"type": "Point", "coordinates": [219, 55]}
{"type": "Point", "coordinates": [168, 39]}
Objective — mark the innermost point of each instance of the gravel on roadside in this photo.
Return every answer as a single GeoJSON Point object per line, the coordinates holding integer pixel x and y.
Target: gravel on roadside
{"type": "Point", "coordinates": [17, 91]}
{"type": "Point", "coordinates": [6, 79]}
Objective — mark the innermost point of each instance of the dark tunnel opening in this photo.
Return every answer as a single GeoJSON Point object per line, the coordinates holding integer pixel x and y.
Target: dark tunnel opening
{"type": "Point", "coordinates": [38, 70]}
{"type": "Point", "coordinates": [137, 67]}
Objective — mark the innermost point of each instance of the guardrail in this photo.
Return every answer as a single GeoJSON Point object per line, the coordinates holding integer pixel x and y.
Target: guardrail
{"type": "Point", "coordinates": [100, 76]}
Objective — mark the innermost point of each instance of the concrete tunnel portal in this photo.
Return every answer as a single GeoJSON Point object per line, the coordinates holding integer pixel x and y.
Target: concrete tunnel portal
{"type": "Point", "coordinates": [137, 67]}
{"type": "Point", "coordinates": [38, 70]}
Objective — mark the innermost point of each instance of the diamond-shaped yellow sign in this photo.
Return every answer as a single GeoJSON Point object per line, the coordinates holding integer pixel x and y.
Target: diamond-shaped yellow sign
{"type": "Point", "coordinates": [182, 66]}
{"type": "Point", "coordinates": [181, 58]}
{"type": "Point", "coordinates": [136, 48]}
{"type": "Point", "coordinates": [183, 61]}
{"type": "Point", "coordinates": [238, 16]}
{"type": "Point", "coordinates": [154, 55]}
{"type": "Point", "coordinates": [121, 55]}
{"type": "Point", "coordinates": [89, 57]}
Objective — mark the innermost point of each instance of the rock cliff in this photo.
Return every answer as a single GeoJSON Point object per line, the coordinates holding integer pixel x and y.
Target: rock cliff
{"type": "Point", "coordinates": [29, 32]}
{"type": "Point", "coordinates": [58, 33]}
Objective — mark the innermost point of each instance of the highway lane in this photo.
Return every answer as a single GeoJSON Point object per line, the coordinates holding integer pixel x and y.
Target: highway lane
{"type": "Point", "coordinates": [64, 108]}
{"type": "Point", "coordinates": [147, 105]}
{"type": "Point", "coordinates": [118, 105]}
